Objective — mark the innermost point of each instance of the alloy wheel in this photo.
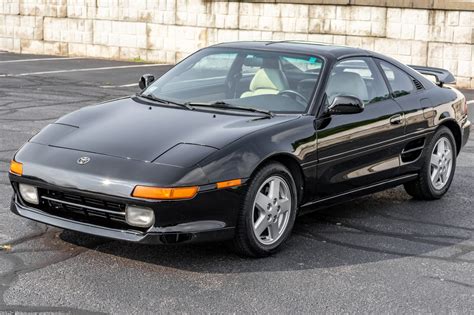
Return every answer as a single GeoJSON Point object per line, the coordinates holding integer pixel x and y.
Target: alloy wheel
{"type": "Point", "coordinates": [441, 163]}
{"type": "Point", "coordinates": [271, 210]}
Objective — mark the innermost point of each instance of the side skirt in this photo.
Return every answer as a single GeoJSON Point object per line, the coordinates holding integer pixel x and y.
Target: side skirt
{"type": "Point", "coordinates": [351, 194]}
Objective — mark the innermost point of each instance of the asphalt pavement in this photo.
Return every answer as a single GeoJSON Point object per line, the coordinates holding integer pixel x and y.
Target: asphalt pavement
{"type": "Point", "coordinates": [383, 253]}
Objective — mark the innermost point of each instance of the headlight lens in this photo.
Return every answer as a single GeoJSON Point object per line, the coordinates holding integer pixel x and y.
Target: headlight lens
{"type": "Point", "coordinates": [29, 194]}
{"type": "Point", "coordinates": [139, 216]}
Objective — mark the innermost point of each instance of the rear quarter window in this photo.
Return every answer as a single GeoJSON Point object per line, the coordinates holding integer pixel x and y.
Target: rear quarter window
{"type": "Point", "coordinates": [400, 82]}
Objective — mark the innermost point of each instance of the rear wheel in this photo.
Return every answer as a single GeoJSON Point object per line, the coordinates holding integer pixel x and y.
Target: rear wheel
{"type": "Point", "coordinates": [268, 212]}
{"type": "Point", "coordinates": [438, 169]}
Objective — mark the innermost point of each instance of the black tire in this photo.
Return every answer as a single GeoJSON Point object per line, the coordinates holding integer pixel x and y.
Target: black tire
{"type": "Point", "coordinates": [245, 241]}
{"type": "Point", "coordinates": [422, 187]}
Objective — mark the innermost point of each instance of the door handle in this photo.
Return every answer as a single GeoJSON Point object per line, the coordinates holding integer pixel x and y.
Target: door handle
{"type": "Point", "coordinates": [396, 120]}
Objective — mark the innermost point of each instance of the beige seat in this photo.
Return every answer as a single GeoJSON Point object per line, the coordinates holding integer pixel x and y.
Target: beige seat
{"type": "Point", "coordinates": [347, 83]}
{"type": "Point", "coordinates": [266, 81]}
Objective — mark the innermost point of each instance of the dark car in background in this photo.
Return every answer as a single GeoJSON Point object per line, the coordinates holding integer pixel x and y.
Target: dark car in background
{"type": "Point", "coordinates": [237, 140]}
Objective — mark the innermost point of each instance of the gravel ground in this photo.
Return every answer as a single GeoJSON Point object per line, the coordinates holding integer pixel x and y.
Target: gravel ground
{"type": "Point", "coordinates": [383, 253]}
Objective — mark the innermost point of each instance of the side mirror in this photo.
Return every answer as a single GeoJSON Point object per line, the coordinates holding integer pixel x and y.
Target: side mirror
{"type": "Point", "coordinates": [146, 80]}
{"type": "Point", "coordinates": [345, 105]}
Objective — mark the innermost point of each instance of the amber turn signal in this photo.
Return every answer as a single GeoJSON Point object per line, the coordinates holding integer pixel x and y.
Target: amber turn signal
{"type": "Point", "coordinates": [16, 168]}
{"type": "Point", "coordinates": [229, 183]}
{"type": "Point", "coordinates": [159, 193]}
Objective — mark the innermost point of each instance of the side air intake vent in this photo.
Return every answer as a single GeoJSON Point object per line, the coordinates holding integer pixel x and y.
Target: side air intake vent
{"type": "Point", "coordinates": [418, 84]}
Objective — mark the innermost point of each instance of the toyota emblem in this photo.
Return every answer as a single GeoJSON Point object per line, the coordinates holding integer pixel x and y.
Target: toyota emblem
{"type": "Point", "coordinates": [83, 160]}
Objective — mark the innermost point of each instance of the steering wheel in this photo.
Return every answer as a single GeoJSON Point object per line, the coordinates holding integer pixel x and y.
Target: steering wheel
{"type": "Point", "coordinates": [300, 98]}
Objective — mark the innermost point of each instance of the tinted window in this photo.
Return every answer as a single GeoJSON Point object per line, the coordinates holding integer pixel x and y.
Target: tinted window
{"type": "Point", "coordinates": [274, 81]}
{"type": "Point", "coordinates": [301, 64]}
{"type": "Point", "coordinates": [359, 78]}
{"type": "Point", "coordinates": [400, 82]}
{"type": "Point", "coordinates": [211, 66]}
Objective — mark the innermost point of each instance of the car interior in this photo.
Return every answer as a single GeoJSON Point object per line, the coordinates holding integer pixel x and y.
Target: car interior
{"type": "Point", "coordinates": [265, 81]}
{"type": "Point", "coordinates": [269, 81]}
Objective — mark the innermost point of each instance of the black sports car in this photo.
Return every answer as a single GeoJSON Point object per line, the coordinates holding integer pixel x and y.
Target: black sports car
{"type": "Point", "coordinates": [238, 139]}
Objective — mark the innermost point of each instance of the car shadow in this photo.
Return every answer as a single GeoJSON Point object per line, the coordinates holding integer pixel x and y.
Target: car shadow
{"type": "Point", "coordinates": [383, 226]}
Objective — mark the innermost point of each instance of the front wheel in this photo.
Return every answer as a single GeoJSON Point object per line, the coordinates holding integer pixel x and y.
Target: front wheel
{"type": "Point", "coordinates": [268, 212]}
{"type": "Point", "coordinates": [438, 169]}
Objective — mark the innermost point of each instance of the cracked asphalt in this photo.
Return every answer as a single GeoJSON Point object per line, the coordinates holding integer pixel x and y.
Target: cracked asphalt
{"type": "Point", "coordinates": [384, 253]}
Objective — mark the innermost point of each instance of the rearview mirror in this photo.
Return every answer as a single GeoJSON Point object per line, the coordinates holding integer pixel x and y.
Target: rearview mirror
{"type": "Point", "coordinates": [146, 80]}
{"type": "Point", "coordinates": [345, 105]}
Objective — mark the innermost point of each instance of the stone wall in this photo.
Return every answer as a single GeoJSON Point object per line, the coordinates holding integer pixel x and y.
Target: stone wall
{"type": "Point", "coordinates": [437, 33]}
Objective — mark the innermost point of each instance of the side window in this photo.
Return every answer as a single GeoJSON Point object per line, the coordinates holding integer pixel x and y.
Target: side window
{"type": "Point", "coordinates": [299, 65]}
{"type": "Point", "coordinates": [400, 82]}
{"type": "Point", "coordinates": [359, 78]}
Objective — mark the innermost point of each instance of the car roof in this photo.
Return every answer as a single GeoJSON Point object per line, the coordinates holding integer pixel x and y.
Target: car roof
{"type": "Point", "coordinates": [306, 47]}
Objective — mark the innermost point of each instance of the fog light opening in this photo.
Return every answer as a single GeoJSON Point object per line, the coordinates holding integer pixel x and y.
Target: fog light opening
{"type": "Point", "coordinates": [29, 194]}
{"type": "Point", "coordinates": [139, 216]}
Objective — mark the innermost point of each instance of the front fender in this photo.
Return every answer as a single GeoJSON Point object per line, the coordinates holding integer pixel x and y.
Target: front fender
{"type": "Point", "coordinates": [295, 138]}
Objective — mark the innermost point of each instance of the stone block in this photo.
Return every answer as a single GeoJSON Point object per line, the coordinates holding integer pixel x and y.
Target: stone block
{"type": "Point", "coordinates": [387, 46]}
{"type": "Point", "coordinates": [296, 36]}
{"type": "Point", "coordinates": [408, 31]}
{"type": "Point", "coordinates": [378, 14]}
{"type": "Point", "coordinates": [129, 53]}
{"type": "Point", "coordinates": [339, 40]}
{"type": "Point", "coordinates": [435, 51]}
{"type": "Point", "coordinates": [422, 32]}
{"type": "Point", "coordinates": [343, 12]}
{"type": "Point", "coordinates": [463, 34]}
{"type": "Point", "coordinates": [55, 48]}
{"type": "Point", "coordinates": [100, 51]}
{"type": "Point", "coordinates": [466, 18]}
{"type": "Point", "coordinates": [452, 18]}
{"type": "Point", "coordinates": [319, 26]}
{"type": "Point", "coordinates": [394, 15]}
{"type": "Point", "coordinates": [378, 29]}
{"type": "Point", "coordinates": [465, 68]}
{"type": "Point", "coordinates": [338, 27]}
{"type": "Point", "coordinates": [413, 16]}
{"type": "Point", "coordinates": [464, 82]}
{"type": "Point", "coordinates": [224, 35]}
{"type": "Point", "coordinates": [11, 7]}
{"type": "Point", "coordinates": [441, 33]}
{"type": "Point", "coordinates": [32, 46]}
{"type": "Point", "coordinates": [321, 38]}
{"type": "Point", "coordinates": [360, 13]}
{"type": "Point", "coordinates": [360, 28]}
{"type": "Point", "coordinates": [322, 12]}
{"type": "Point", "coordinates": [394, 30]}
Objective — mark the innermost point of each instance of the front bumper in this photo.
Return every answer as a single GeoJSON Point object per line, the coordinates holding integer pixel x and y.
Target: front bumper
{"type": "Point", "coordinates": [210, 216]}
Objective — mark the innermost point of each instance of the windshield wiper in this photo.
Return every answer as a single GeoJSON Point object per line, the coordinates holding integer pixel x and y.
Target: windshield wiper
{"type": "Point", "coordinates": [225, 105]}
{"type": "Point", "coordinates": [163, 101]}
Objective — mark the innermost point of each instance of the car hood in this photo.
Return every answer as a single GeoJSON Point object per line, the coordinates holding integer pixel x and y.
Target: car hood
{"type": "Point", "coordinates": [135, 129]}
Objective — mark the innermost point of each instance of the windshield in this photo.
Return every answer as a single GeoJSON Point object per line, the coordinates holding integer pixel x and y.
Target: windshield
{"type": "Point", "coordinates": [268, 81]}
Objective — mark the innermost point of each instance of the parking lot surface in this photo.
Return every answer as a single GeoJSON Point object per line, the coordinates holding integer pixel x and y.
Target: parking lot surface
{"type": "Point", "coordinates": [381, 253]}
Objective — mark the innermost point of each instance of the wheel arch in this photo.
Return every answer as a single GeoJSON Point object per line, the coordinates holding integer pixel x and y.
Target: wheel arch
{"type": "Point", "coordinates": [290, 162]}
{"type": "Point", "coordinates": [453, 126]}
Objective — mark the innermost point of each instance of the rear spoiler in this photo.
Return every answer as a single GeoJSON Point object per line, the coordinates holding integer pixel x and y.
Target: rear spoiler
{"type": "Point", "coordinates": [442, 76]}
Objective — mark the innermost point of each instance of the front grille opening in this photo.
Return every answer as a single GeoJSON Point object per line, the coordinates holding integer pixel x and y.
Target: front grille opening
{"type": "Point", "coordinates": [85, 209]}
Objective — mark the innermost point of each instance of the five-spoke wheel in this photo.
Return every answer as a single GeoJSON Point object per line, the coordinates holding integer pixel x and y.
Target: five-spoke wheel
{"type": "Point", "coordinates": [268, 212]}
{"type": "Point", "coordinates": [437, 172]}
{"type": "Point", "coordinates": [271, 210]}
{"type": "Point", "coordinates": [441, 163]}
